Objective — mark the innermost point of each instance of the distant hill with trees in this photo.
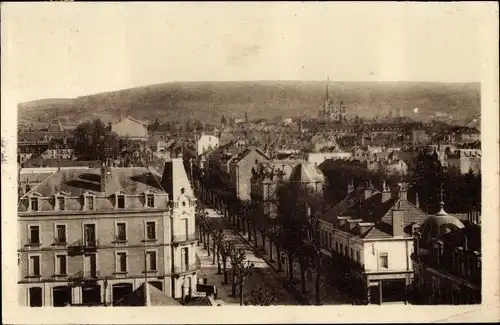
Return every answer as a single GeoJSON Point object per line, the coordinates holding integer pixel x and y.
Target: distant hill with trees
{"type": "Point", "coordinates": [209, 101]}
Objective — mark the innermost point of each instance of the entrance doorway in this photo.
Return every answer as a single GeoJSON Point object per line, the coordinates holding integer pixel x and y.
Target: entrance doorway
{"type": "Point", "coordinates": [121, 290]}
{"type": "Point", "coordinates": [375, 294]}
{"type": "Point", "coordinates": [393, 290]}
{"type": "Point", "coordinates": [35, 297]}
{"type": "Point", "coordinates": [91, 295]}
{"type": "Point", "coordinates": [61, 296]}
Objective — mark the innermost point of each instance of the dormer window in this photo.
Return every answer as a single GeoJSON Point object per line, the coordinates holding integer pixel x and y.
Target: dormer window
{"type": "Point", "coordinates": [150, 200]}
{"type": "Point", "coordinates": [60, 203]}
{"type": "Point", "coordinates": [34, 204]}
{"type": "Point", "coordinates": [120, 201]}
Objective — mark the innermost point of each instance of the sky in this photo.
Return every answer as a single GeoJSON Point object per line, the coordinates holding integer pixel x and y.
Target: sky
{"type": "Point", "coordinates": [61, 50]}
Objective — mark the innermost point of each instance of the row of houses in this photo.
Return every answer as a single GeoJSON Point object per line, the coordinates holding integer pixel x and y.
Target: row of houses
{"type": "Point", "coordinates": [384, 246]}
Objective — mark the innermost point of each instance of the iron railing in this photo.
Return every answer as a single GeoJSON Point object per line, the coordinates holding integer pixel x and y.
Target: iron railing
{"type": "Point", "coordinates": [184, 237]}
{"type": "Point", "coordinates": [186, 268]}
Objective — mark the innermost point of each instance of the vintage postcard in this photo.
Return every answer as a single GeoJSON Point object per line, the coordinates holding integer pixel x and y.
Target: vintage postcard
{"type": "Point", "coordinates": [250, 162]}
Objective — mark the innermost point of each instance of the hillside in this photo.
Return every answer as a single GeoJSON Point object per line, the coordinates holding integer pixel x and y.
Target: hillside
{"type": "Point", "coordinates": [208, 101]}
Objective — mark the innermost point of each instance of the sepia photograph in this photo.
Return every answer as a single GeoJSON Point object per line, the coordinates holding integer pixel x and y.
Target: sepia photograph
{"type": "Point", "coordinates": [254, 154]}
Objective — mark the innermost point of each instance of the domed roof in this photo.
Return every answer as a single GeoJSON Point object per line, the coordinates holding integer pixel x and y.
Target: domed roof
{"type": "Point", "coordinates": [439, 224]}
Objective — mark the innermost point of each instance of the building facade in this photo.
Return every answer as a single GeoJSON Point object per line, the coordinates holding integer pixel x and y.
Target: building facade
{"type": "Point", "coordinates": [92, 236]}
{"type": "Point", "coordinates": [447, 261]}
{"type": "Point", "coordinates": [368, 235]}
{"type": "Point", "coordinates": [205, 143]}
{"type": "Point", "coordinates": [240, 171]}
{"type": "Point", "coordinates": [131, 128]}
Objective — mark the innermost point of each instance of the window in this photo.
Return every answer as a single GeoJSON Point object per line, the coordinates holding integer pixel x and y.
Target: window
{"type": "Point", "coordinates": [34, 234]}
{"type": "Point", "coordinates": [346, 253]}
{"type": "Point", "coordinates": [121, 262]}
{"type": "Point", "coordinates": [150, 230]}
{"type": "Point", "coordinates": [121, 231]}
{"type": "Point", "coordinates": [185, 228]}
{"type": "Point", "coordinates": [150, 200]}
{"type": "Point", "coordinates": [60, 234]}
{"type": "Point", "coordinates": [151, 261]}
{"type": "Point", "coordinates": [34, 204]}
{"type": "Point", "coordinates": [336, 246]}
{"type": "Point", "coordinates": [89, 234]}
{"type": "Point", "coordinates": [34, 267]}
{"type": "Point", "coordinates": [358, 257]}
{"type": "Point", "coordinates": [384, 260]}
{"type": "Point", "coordinates": [61, 265]}
{"type": "Point", "coordinates": [341, 251]}
{"type": "Point", "coordinates": [61, 203]}
{"type": "Point", "coordinates": [89, 202]}
{"type": "Point", "coordinates": [185, 259]}
{"type": "Point", "coordinates": [120, 201]}
{"type": "Point", "coordinates": [352, 254]}
{"type": "Point", "coordinates": [35, 297]}
{"type": "Point", "coordinates": [90, 265]}
{"type": "Point", "coordinates": [329, 240]}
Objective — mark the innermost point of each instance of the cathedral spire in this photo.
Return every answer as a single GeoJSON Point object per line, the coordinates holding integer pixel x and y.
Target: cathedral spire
{"type": "Point", "coordinates": [327, 95]}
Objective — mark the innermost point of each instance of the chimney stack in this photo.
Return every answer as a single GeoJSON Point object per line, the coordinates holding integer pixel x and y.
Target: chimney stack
{"type": "Point", "coordinates": [368, 190]}
{"type": "Point", "coordinates": [105, 173]}
{"type": "Point", "coordinates": [397, 221]}
{"type": "Point", "coordinates": [386, 193]}
{"type": "Point", "coordinates": [350, 187]}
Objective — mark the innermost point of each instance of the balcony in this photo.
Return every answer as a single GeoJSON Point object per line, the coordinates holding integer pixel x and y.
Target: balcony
{"type": "Point", "coordinates": [184, 269]}
{"type": "Point", "coordinates": [184, 239]}
{"type": "Point", "coordinates": [84, 278]}
{"type": "Point", "coordinates": [81, 246]}
{"type": "Point", "coordinates": [33, 243]}
{"type": "Point", "coordinates": [59, 242]}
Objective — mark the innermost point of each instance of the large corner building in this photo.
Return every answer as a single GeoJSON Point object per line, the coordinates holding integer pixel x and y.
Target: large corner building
{"type": "Point", "coordinates": [92, 236]}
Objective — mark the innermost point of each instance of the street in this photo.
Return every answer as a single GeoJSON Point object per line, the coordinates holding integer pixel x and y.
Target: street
{"type": "Point", "coordinates": [263, 275]}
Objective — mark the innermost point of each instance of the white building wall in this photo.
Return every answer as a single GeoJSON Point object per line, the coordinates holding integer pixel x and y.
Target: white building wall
{"type": "Point", "coordinates": [398, 253]}
{"type": "Point", "coordinates": [398, 250]}
{"type": "Point", "coordinates": [206, 142]}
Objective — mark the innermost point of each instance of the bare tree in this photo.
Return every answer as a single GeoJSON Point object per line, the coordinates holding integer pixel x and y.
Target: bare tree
{"type": "Point", "coordinates": [263, 297]}
{"type": "Point", "coordinates": [225, 249]}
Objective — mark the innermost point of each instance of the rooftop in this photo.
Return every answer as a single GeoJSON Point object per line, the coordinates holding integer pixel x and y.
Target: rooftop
{"type": "Point", "coordinates": [75, 182]}
{"type": "Point", "coordinates": [373, 210]}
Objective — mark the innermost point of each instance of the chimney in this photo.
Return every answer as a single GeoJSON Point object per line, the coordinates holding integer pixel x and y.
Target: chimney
{"type": "Point", "coordinates": [368, 190]}
{"type": "Point", "coordinates": [403, 191]}
{"type": "Point", "coordinates": [105, 174]}
{"type": "Point", "coordinates": [397, 221]}
{"type": "Point", "coordinates": [386, 193]}
{"type": "Point", "coordinates": [350, 187]}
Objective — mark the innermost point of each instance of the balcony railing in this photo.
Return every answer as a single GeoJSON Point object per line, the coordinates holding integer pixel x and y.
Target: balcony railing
{"type": "Point", "coordinates": [80, 277]}
{"type": "Point", "coordinates": [59, 241]}
{"type": "Point", "coordinates": [84, 245]}
{"type": "Point", "coordinates": [184, 238]}
{"type": "Point", "coordinates": [185, 268]}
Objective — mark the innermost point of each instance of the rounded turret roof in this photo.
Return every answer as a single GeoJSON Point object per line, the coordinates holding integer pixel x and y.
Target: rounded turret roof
{"type": "Point", "coordinates": [440, 224]}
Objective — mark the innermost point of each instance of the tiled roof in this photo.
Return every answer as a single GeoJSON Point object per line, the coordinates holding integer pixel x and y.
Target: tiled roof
{"type": "Point", "coordinates": [39, 135]}
{"type": "Point", "coordinates": [175, 179]}
{"type": "Point", "coordinates": [373, 210]}
{"type": "Point", "coordinates": [198, 301]}
{"type": "Point", "coordinates": [147, 295]}
{"type": "Point", "coordinates": [246, 152]}
{"type": "Point", "coordinates": [305, 172]}
{"type": "Point", "coordinates": [34, 178]}
{"type": "Point", "coordinates": [40, 162]}
{"type": "Point", "coordinates": [76, 182]}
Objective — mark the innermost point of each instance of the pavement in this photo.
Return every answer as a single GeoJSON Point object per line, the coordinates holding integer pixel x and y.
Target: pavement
{"type": "Point", "coordinates": [265, 274]}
